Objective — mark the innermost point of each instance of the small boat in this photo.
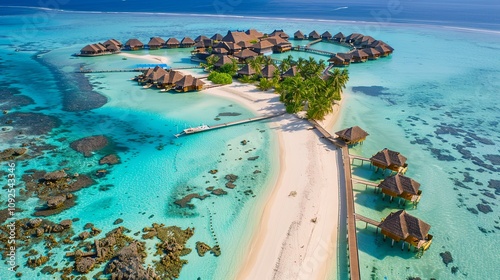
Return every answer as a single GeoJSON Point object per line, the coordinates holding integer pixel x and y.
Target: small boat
{"type": "Point", "coordinates": [192, 130]}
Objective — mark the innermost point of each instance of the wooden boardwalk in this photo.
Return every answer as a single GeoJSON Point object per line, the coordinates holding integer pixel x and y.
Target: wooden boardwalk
{"type": "Point", "coordinates": [311, 50]}
{"type": "Point", "coordinates": [352, 240]}
{"type": "Point", "coordinates": [367, 220]}
{"type": "Point", "coordinates": [130, 70]}
{"type": "Point", "coordinates": [367, 183]}
{"type": "Point", "coordinates": [217, 126]}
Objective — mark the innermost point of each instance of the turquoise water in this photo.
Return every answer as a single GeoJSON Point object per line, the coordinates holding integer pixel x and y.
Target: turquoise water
{"type": "Point", "coordinates": [434, 80]}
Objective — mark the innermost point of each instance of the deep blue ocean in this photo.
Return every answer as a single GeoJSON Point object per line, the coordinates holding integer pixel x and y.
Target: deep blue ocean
{"type": "Point", "coordinates": [462, 13]}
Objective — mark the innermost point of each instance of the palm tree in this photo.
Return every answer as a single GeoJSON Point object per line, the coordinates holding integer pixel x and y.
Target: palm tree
{"type": "Point", "coordinates": [211, 60]}
{"type": "Point", "coordinates": [286, 64]}
{"type": "Point", "coordinates": [256, 64]}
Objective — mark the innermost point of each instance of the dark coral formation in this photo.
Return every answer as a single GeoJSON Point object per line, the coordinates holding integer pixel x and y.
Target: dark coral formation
{"type": "Point", "coordinates": [90, 144]}
{"type": "Point", "coordinates": [30, 124]}
{"type": "Point", "coordinates": [111, 159]}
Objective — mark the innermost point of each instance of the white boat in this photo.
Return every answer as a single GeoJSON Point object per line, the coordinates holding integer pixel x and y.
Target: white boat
{"type": "Point", "coordinates": [192, 130]}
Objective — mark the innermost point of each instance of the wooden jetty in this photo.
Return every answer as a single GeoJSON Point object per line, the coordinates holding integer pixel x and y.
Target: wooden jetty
{"type": "Point", "coordinates": [367, 220]}
{"type": "Point", "coordinates": [204, 128]}
{"type": "Point", "coordinates": [362, 159]}
{"type": "Point", "coordinates": [311, 50]}
{"type": "Point", "coordinates": [89, 71]}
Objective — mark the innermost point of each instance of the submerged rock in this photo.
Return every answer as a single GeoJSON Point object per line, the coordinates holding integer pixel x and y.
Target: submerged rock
{"type": "Point", "coordinates": [109, 160]}
{"type": "Point", "coordinates": [202, 248]}
{"type": "Point", "coordinates": [484, 208]}
{"type": "Point", "coordinates": [447, 258]}
{"type": "Point", "coordinates": [88, 145]}
{"type": "Point", "coordinates": [84, 265]}
{"type": "Point", "coordinates": [184, 202]}
{"type": "Point", "coordinates": [12, 153]}
{"type": "Point", "coordinates": [54, 176]}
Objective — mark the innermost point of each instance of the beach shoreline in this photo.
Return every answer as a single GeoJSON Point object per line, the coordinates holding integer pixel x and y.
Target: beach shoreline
{"type": "Point", "coordinates": [296, 233]}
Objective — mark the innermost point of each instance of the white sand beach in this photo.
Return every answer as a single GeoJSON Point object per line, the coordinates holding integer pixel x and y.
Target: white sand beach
{"type": "Point", "coordinates": [147, 57]}
{"type": "Point", "coordinates": [296, 236]}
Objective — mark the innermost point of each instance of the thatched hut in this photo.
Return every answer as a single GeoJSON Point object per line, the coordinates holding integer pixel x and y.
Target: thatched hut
{"type": "Point", "coordinates": [352, 135]}
{"type": "Point", "coordinates": [353, 37]}
{"type": "Point", "coordinates": [188, 83]}
{"type": "Point", "coordinates": [340, 60]}
{"type": "Point", "coordinates": [169, 79]}
{"type": "Point", "coordinates": [280, 33]}
{"type": "Point", "coordinates": [364, 41]}
{"type": "Point", "coordinates": [263, 47]}
{"type": "Point", "coordinates": [314, 35]}
{"type": "Point", "coordinates": [268, 71]}
{"type": "Point", "coordinates": [245, 54]}
{"type": "Point", "coordinates": [254, 34]}
{"type": "Point", "coordinates": [187, 42]}
{"type": "Point", "coordinates": [201, 38]}
{"type": "Point", "coordinates": [388, 159]}
{"type": "Point", "coordinates": [156, 43]}
{"type": "Point", "coordinates": [237, 36]}
{"type": "Point", "coordinates": [298, 35]}
{"type": "Point", "coordinates": [326, 35]}
{"type": "Point", "coordinates": [339, 37]}
{"type": "Point", "coordinates": [401, 186]}
{"type": "Point", "coordinates": [172, 43]}
{"type": "Point", "coordinates": [93, 50]}
{"type": "Point", "coordinates": [246, 70]}
{"type": "Point", "coordinates": [403, 226]}
{"type": "Point", "coordinates": [359, 56]}
{"type": "Point", "coordinates": [113, 45]}
{"type": "Point", "coordinates": [292, 72]}
{"type": "Point", "coordinates": [156, 74]}
{"type": "Point", "coordinates": [279, 44]}
{"type": "Point", "coordinates": [223, 59]}
{"type": "Point", "coordinates": [372, 53]}
{"type": "Point", "coordinates": [384, 50]}
{"type": "Point", "coordinates": [244, 44]}
{"type": "Point", "coordinates": [217, 37]}
{"type": "Point", "coordinates": [133, 45]}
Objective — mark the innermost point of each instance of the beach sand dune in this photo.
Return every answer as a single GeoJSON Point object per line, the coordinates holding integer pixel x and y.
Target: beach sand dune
{"type": "Point", "coordinates": [296, 236]}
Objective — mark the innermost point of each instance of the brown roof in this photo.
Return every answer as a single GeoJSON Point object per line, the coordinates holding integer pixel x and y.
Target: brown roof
{"type": "Point", "coordinates": [156, 41]}
{"type": "Point", "coordinates": [264, 44]}
{"type": "Point", "coordinates": [254, 34]}
{"type": "Point", "coordinates": [223, 59]}
{"type": "Point", "coordinates": [354, 133]}
{"type": "Point", "coordinates": [220, 51]}
{"type": "Point", "coordinates": [112, 41]}
{"type": "Point", "coordinates": [187, 41]}
{"type": "Point", "coordinates": [345, 56]}
{"type": "Point", "coordinates": [399, 184]}
{"type": "Point", "coordinates": [378, 43]}
{"type": "Point", "coordinates": [298, 34]}
{"type": "Point", "coordinates": [359, 54]}
{"type": "Point", "coordinates": [383, 49]}
{"type": "Point", "coordinates": [246, 70]}
{"type": "Point", "coordinates": [365, 40]}
{"type": "Point", "coordinates": [276, 40]}
{"type": "Point", "coordinates": [189, 80]}
{"type": "Point", "coordinates": [157, 73]}
{"type": "Point", "coordinates": [93, 48]}
{"type": "Point", "coordinates": [172, 41]}
{"type": "Point", "coordinates": [314, 35]}
{"type": "Point", "coordinates": [223, 45]}
{"type": "Point", "coordinates": [339, 35]}
{"type": "Point", "coordinates": [246, 53]}
{"type": "Point", "coordinates": [171, 77]}
{"type": "Point", "coordinates": [217, 37]}
{"type": "Point", "coordinates": [280, 33]}
{"type": "Point", "coordinates": [388, 157]}
{"type": "Point", "coordinates": [292, 72]}
{"type": "Point", "coordinates": [326, 34]}
{"type": "Point", "coordinates": [268, 71]}
{"type": "Point", "coordinates": [201, 38]}
{"type": "Point", "coordinates": [113, 47]}
{"type": "Point", "coordinates": [244, 44]}
{"type": "Point", "coordinates": [371, 52]}
{"type": "Point", "coordinates": [353, 36]}
{"type": "Point", "coordinates": [404, 225]}
{"type": "Point", "coordinates": [236, 36]}
{"type": "Point", "coordinates": [134, 43]}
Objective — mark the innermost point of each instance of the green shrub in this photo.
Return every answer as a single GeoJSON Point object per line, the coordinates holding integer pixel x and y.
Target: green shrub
{"type": "Point", "coordinates": [220, 78]}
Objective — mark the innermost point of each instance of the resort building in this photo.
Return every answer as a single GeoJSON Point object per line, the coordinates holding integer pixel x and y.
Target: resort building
{"type": "Point", "coordinates": [223, 59]}
{"type": "Point", "coordinates": [169, 79]}
{"type": "Point", "coordinates": [279, 44]}
{"type": "Point", "coordinates": [217, 37]}
{"type": "Point", "coordinates": [246, 70]}
{"type": "Point", "coordinates": [268, 71]}
{"type": "Point", "coordinates": [339, 37]}
{"type": "Point", "coordinates": [113, 43]}
{"type": "Point", "coordinates": [314, 35]}
{"type": "Point", "coordinates": [172, 43]}
{"type": "Point", "coordinates": [298, 35]}
{"type": "Point", "coordinates": [156, 43]}
{"type": "Point", "coordinates": [280, 33]}
{"type": "Point", "coordinates": [340, 59]}
{"type": "Point", "coordinates": [359, 56]}
{"type": "Point", "coordinates": [353, 37]}
{"type": "Point", "coordinates": [292, 72]}
{"type": "Point", "coordinates": [134, 45]}
{"type": "Point", "coordinates": [187, 42]}
{"type": "Point", "coordinates": [201, 38]}
{"type": "Point", "coordinates": [155, 75]}
{"type": "Point", "coordinates": [372, 53]}
{"type": "Point", "coordinates": [254, 34]}
{"type": "Point", "coordinates": [94, 50]}
{"type": "Point", "coordinates": [263, 47]}
{"type": "Point", "coordinates": [388, 159]}
{"type": "Point", "coordinates": [326, 36]}
{"type": "Point", "coordinates": [188, 83]}
{"type": "Point", "coordinates": [352, 135]}
{"type": "Point", "coordinates": [401, 186]}
{"type": "Point", "coordinates": [403, 226]}
{"type": "Point", "coordinates": [245, 54]}
{"type": "Point", "coordinates": [238, 36]}
{"type": "Point", "coordinates": [244, 44]}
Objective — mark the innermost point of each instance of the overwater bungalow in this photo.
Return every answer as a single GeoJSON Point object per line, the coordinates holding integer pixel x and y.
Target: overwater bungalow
{"type": "Point", "coordinates": [401, 186]}
{"type": "Point", "coordinates": [155, 75]}
{"type": "Point", "coordinates": [246, 70]}
{"type": "Point", "coordinates": [339, 60]}
{"type": "Point", "coordinates": [384, 50]}
{"type": "Point", "coordinates": [172, 43]}
{"type": "Point", "coordinates": [245, 54]}
{"type": "Point", "coordinates": [156, 43]}
{"type": "Point", "coordinates": [237, 36]}
{"type": "Point", "coordinates": [94, 50]}
{"type": "Point", "coordinates": [403, 226]}
{"type": "Point", "coordinates": [359, 56]}
{"type": "Point", "coordinates": [352, 135]}
{"type": "Point", "coordinates": [217, 37]}
{"type": "Point", "coordinates": [201, 38]}
{"type": "Point", "coordinates": [326, 36]}
{"type": "Point", "coordinates": [263, 47]}
{"type": "Point", "coordinates": [364, 41]}
{"type": "Point", "coordinates": [298, 35]}
{"type": "Point", "coordinates": [169, 79]}
{"type": "Point", "coordinates": [372, 53]}
{"type": "Point", "coordinates": [339, 37]}
{"type": "Point", "coordinates": [134, 45]}
{"type": "Point", "coordinates": [388, 159]}
{"type": "Point", "coordinates": [279, 44]}
{"type": "Point", "coordinates": [220, 51]}
{"type": "Point", "coordinates": [268, 71]}
{"type": "Point", "coordinates": [223, 59]}
{"type": "Point", "coordinates": [244, 44]}
{"type": "Point", "coordinates": [188, 83]}
{"type": "Point", "coordinates": [280, 33]}
{"type": "Point", "coordinates": [115, 42]}
{"type": "Point", "coordinates": [353, 37]}
{"type": "Point", "coordinates": [314, 35]}
{"type": "Point", "coordinates": [112, 48]}
{"type": "Point", "coordinates": [292, 72]}
{"type": "Point", "coordinates": [254, 34]}
{"type": "Point", "coordinates": [187, 42]}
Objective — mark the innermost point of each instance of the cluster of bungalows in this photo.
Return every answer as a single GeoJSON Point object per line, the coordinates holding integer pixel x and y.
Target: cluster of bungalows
{"type": "Point", "coordinates": [111, 46]}
{"type": "Point", "coordinates": [156, 43]}
{"type": "Point", "coordinates": [364, 48]}
{"type": "Point", "coordinates": [169, 80]}
{"type": "Point", "coordinates": [242, 44]}
{"type": "Point", "coordinates": [399, 226]}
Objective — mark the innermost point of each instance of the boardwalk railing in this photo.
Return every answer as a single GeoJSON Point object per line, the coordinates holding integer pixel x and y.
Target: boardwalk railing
{"type": "Point", "coordinates": [311, 50]}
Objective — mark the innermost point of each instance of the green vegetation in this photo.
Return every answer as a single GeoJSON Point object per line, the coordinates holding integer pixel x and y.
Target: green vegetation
{"type": "Point", "coordinates": [229, 68]}
{"type": "Point", "coordinates": [211, 60]}
{"type": "Point", "coordinates": [220, 78]}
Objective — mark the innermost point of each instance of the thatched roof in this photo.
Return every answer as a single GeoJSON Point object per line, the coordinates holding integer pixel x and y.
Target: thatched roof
{"type": "Point", "coordinates": [236, 36]}
{"type": "Point", "coordinates": [222, 45]}
{"type": "Point", "coordinates": [219, 51]}
{"type": "Point", "coordinates": [157, 73]}
{"type": "Point", "coordinates": [299, 35]}
{"type": "Point", "coordinates": [371, 52]}
{"type": "Point", "coordinates": [156, 41]}
{"type": "Point", "coordinates": [345, 56]}
{"type": "Point", "coordinates": [254, 34]}
{"type": "Point", "coordinates": [404, 225]}
{"type": "Point", "coordinates": [292, 72]}
{"type": "Point", "coordinates": [172, 41]}
{"type": "Point", "coordinates": [112, 42]}
{"type": "Point", "coordinates": [326, 35]}
{"type": "Point", "coordinates": [365, 40]}
{"type": "Point", "coordinates": [359, 54]}
{"type": "Point", "coordinates": [113, 47]}
{"type": "Point", "coordinates": [268, 71]}
{"type": "Point", "coordinates": [233, 46]}
{"type": "Point", "coordinates": [246, 70]}
{"type": "Point", "coordinates": [353, 36]}
{"type": "Point", "coordinates": [399, 184]}
{"type": "Point", "coordinates": [383, 49]}
{"type": "Point", "coordinates": [171, 77]}
{"type": "Point", "coordinates": [352, 134]}
{"type": "Point", "coordinates": [244, 44]}
{"type": "Point", "coordinates": [280, 33]}
{"type": "Point", "coordinates": [201, 38]}
{"type": "Point", "coordinates": [276, 40]}
{"type": "Point", "coordinates": [223, 59]}
{"type": "Point", "coordinates": [133, 43]}
{"type": "Point", "coordinates": [388, 157]}
{"type": "Point", "coordinates": [188, 81]}
{"type": "Point", "coordinates": [264, 44]}
{"type": "Point", "coordinates": [339, 35]}
{"type": "Point", "coordinates": [378, 43]}
{"type": "Point", "coordinates": [217, 37]}
{"type": "Point", "coordinates": [187, 41]}
{"type": "Point", "coordinates": [95, 48]}
{"type": "Point", "coordinates": [246, 53]}
{"type": "Point", "coordinates": [314, 35]}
